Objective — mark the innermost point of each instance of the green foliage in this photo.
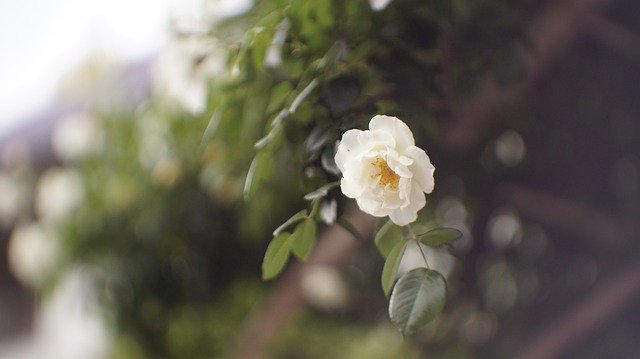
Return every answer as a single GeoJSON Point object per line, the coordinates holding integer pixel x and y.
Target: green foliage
{"type": "Point", "coordinates": [387, 237]}
{"type": "Point", "coordinates": [291, 221]}
{"type": "Point", "coordinates": [303, 238]}
{"type": "Point", "coordinates": [417, 299]}
{"type": "Point", "coordinates": [178, 206]}
{"type": "Point", "coordinates": [390, 270]}
{"type": "Point", "coordinates": [439, 237]}
{"type": "Point", "coordinates": [277, 255]}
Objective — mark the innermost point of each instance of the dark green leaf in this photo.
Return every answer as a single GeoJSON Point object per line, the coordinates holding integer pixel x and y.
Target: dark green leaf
{"type": "Point", "coordinates": [439, 237]}
{"type": "Point", "coordinates": [303, 239]}
{"type": "Point", "coordinates": [317, 139]}
{"type": "Point", "coordinates": [387, 237]}
{"type": "Point", "coordinates": [279, 94]}
{"type": "Point", "coordinates": [276, 126]}
{"type": "Point", "coordinates": [291, 221]}
{"type": "Point", "coordinates": [390, 270]}
{"type": "Point", "coordinates": [417, 299]}
{"type": "Point", "coordinates": [276, 256]}
{"type": "Point", "coordinates": [303, 95]}
{"type": "Point", "coordinates": [328, 161]}
{"type": "Point", "coordinates": [321, 192]}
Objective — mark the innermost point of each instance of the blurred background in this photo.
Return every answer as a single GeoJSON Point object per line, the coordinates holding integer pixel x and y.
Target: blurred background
{"type": "Point", "coordinates": [145, 161]}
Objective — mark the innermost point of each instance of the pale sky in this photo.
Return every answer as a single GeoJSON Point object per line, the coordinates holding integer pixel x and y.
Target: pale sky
{"type": "Point", "coordinates": [40, 40]}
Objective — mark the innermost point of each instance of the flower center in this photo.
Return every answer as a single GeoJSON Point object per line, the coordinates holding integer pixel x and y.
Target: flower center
{"type": "Point", "coordinates": [386, 174]}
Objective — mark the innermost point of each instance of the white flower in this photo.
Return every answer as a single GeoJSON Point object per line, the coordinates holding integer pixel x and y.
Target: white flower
{"type": "Point", "coordinates": [184, 69]}
{"type": "Point", "coordinates": [384, 171]}
{"type": "Point", "coordinates": [59, 192]}
{"type": "Point", "coordinates": [76, 136]}
{"type": "Point", "coordinates": [32, 253]}
{"type": "Point", "coordinates": [379, 5]}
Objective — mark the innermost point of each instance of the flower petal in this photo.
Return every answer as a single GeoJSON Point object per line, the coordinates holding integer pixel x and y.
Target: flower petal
{"type": "Point", "coordinates": [350, 189]}
{"type": "Point", "coordinates": [398, 129]}
{"type": "Point", "coordinates": [409, 214]}
{"type": "Point", "coordinates": [371, 206]}
{"type": "Point", "coordinates": [422, 168]}
{"type": "Point", "coordinates": [347, 149]}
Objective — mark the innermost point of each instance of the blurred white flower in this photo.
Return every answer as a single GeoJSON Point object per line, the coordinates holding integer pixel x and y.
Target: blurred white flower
{"type": "Point", "coordinates": [273, 57]}
{"type": "Point", "coordinates": [323, 287]}
{"type": "Point", "coordinates": [384, 171]}
{"type": "Point", "coordinates": [510, 148]}
{"type": "Point", "coordinates": [329, 211]}
{"type": "Point", "coordinates": [59, 192]}
{"type": "Point", "coordinates": [183, 70]}
{"type": "Point", "coordinates": [32, 253]}
{"type": "Point", "coordinates": [379, 5]}
{"type": "Point", "coordinates": [76, 136]}
{"type": "Point", "coordinates": [67, 324]}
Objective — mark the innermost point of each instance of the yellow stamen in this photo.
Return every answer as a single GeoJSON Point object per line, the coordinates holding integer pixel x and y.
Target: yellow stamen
{"type": "Point", "coordinates": [387, 176]}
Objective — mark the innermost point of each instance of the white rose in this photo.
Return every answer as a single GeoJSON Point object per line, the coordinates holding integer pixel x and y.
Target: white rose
{"type": "Point", "coordinates": [384, 171]}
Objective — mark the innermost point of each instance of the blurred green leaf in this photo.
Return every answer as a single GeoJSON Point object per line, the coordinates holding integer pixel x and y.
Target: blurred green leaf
{"type": "Point", "coordinates": [327, 160]}
{"type": "Point", "coordinates": [259, 170]}
{"type": "Point", "coordinates": [279, 95]}
{"type": "Point", "coordinates": [439, 237]}
{"type": "Point", "coordinates": [322, 191]}
{"type": "Point", "coordinates": [303, 95]}
{"type": "Point", "coordinates": [417, 299]}
{"type": "Point", "coordinates": [291, 221]}
{"type": "Point", "coordinates": [387, 237]}
{"type": "Point", "coordinates": [276, 126]}
{"type": "Point", "coordinates": [276, 256]}
{"type": "Point", "coordinates": [303, 239]}
{"type": "Point", "coordinates": [318, 138]}
{"type": "Point", "coordinates": [390, 270]}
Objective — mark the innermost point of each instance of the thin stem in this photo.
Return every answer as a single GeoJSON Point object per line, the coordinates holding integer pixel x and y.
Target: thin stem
{"type": "Point", "coordinates": [415, 238]}
{"type": "Point", "coordinates": [315, 206]}
{"type": "Point", "coordinates": [423, 256]}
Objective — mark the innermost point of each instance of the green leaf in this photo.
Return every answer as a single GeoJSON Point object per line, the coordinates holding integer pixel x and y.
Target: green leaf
{"type": "Point", "coordinates": [303, 239]}
{"type": "Point", "coordinates": [439, 237]}
{"type": "Point", "coordinates": [387, 237]}
{"type": "Point", "coordinates": [322, 191]}
{"type": "Point", "coordinates": [390, 270]}
{"type": "Point", "coordinates": [303, 95]}
{"type": "Point", "coordinates": [274, 132]}
{"type": "Point", "coordinates": [291, 221]}
{"type": "Point", "coordinates": [259, 170]}
{"type": "Point", "coordinates": [327, 160]}
{"type": "Point", "coordinates": [417, 299]}
{"type": "Point", "coordinates": [279, 94]}
{"type": "Point", "coordinates": [276, 256]}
